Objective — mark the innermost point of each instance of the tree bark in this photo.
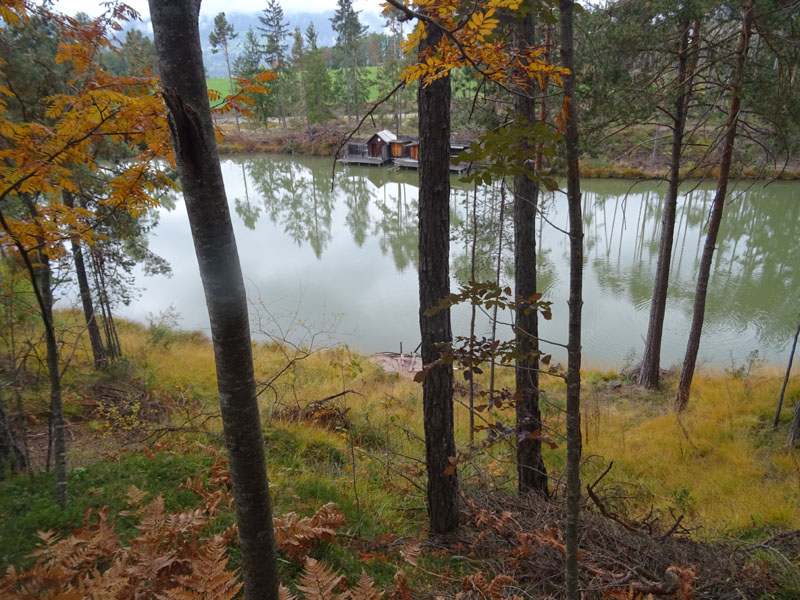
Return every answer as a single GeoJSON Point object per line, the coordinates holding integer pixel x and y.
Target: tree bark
{"type": "Point", "coordinates": [113, 347]}
{"type": "Point", "coordinates": [54, 375]}
{"type": "Point", "coordinates": [698, 315]}
{"type": "Point", "coordinates": [531, 472]}
{"type": "Point", "coordinates": [785, 383]}
{"type": "Point", "coordinates": [650, 370]}
{"type": "Point", "coordinates": [10, 452]}
{"type": "Point", "coordinates": [434, 284]}
{"type": "Point", "coordinates": [175, 26]}
{"type": "Point", "coordinates": [230, 83]}
{"type": "Point", "coordinates": [575, 305]}
{"type": "Point", "coordinates": [96, 341]}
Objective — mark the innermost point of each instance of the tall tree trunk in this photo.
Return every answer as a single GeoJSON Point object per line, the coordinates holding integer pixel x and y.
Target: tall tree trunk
{"type": "Point", "coordinates": [434, 284]}
{"type": "Point", "coordinates": [41, 282]}
{"type": "Point", "coordinates": [175, 26]}
{"type": "Point", "coordinates": [11, 455]}
{"type": "Point", "coordinates": [794, 430]}
{"type": "Point", "coordinates": [230, 83]}
{"type": "Point", "coordinates": [113, 349]}
{"type": "Point", "coordinates": [786, 380]}
{"type": "Point", "coordinates": [698, 315]}
{"type": "Point", "coordinates": [473, 312]}
{"type": "Point", "coordinates": [52, 360]}
{"type": "Point", "coordinates": [575, 306]}
{"type": "Point", "coordinates": [92, 328]}
{"type": "Point", "coordinates": [356, 85]}
{"type": "Point", "coordinates": [531, 472]}
{"type": "Point", "coordinates": [649, 372]}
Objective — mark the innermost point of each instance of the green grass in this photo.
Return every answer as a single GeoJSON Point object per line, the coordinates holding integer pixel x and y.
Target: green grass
{"type": "Point", "coordinates": [27, 505]}
{"type": "Point", "coordinates": [722, 465]}
{"type": "Point", "coordinates": [219, 84]}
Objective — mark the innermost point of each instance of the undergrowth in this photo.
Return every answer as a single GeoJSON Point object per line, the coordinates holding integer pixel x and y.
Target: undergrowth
{"type": "Point", "coordinates": [337, 428]}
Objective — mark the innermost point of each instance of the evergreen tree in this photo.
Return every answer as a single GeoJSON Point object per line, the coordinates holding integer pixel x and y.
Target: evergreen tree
{"type": "Point", "coordinates": [349, 35]}
{"type": "Point", "coordinates": [393, 65]}
{"type": "Point", "coordinates": [248, 64]}
{"type": "Point", "coordinates": [275, 30]}
{"type": "Point", "coordinates": [298, 89]}
{"type": "Point", "coordinates": [318, 87]}
{"type": "Point", "coordinates": [219, 38]}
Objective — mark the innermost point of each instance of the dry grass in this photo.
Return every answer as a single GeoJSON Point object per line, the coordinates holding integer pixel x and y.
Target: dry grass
{"type": "Point", "coordinates": [720, 464]}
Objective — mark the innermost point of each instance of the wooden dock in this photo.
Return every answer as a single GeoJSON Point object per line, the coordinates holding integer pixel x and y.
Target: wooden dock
{"type": "Point", "coordinates": [406, 365]}
{"type": "Point", "coordinates": [410, 163]}
{"type": "Point", "coordinates": [364, 160]}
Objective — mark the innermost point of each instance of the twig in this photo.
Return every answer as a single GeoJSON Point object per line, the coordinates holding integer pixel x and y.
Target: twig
{"type": "Point", "coordinates": [360, 123]}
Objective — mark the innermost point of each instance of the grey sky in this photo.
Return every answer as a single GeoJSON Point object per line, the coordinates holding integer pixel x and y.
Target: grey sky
{"type": "Point", "coordinates": [209, 8]}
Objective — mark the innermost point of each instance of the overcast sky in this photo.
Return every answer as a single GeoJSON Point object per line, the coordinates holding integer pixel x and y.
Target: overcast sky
{"type": "Point", "coordinates": [209, 8]}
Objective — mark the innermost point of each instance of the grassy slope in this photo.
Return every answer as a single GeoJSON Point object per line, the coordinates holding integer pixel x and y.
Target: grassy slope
{"type": "Point", "coordinates": [220, 84]}
{"type": "Point", "coordinates": [721, 465]}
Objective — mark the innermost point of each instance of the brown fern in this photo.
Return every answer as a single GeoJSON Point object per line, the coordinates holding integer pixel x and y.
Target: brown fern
{"type": "Point", "coordinates": [209, 578]}
{"type": "Point", "coordinates": [318, 582]}
{"type": "Point", "coordinates": [295, 536]}
{"type": "Point", "coordinates": [365, 589]}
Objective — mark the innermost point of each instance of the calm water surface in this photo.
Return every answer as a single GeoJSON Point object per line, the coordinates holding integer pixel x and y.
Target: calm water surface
{"type": "Point", "coordinates": [345, 260]}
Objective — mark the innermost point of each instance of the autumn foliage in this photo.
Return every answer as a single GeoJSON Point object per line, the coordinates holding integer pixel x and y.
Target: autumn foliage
{"type": "Point", "coordinates": [171, 555]}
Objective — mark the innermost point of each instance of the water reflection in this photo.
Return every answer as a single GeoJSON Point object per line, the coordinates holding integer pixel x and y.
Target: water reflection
{"type": "Point", "coordinates": [353, 249]}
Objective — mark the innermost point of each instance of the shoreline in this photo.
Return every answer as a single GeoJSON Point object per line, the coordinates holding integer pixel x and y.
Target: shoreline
{"type": "Point", "coordinates": [323, 141]}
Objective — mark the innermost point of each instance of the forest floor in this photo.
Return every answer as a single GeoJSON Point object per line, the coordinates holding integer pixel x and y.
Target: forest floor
{"type": "Point", "coordinates": [628, 156]}
{"type": "Point", "coordinates": [707, 503]}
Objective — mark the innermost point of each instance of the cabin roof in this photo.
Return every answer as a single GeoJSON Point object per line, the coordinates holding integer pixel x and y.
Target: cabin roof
{"type": "Point", "coordinates": [386, 136]}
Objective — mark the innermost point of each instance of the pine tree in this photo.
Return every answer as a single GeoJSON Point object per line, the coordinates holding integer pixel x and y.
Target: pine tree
{"type": "Point", "coordinates": [248, 64]}
{"type": "Point", "coordinates": [349, 34]}
{"type": "Point", "coordinates": [299, 73]}
{"type": "Point", "coordinates": [393, 65]}
{"type": "Point", "coordinates": [275, 30]}
{"type": "Point", "coordinates": [318, 80]}
{"type": "Point", "coordinates": [219, 38]}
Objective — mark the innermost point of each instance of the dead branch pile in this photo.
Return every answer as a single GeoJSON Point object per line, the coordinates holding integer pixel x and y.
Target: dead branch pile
{"type": "Point", "coordinates": [325, 413]}
{"type": "Point", "coordinates": [124, 398]}
{"type": "Point", "coordinates": [523, 537]}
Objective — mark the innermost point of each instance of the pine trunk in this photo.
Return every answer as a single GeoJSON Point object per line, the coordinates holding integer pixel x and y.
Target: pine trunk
{"type": "Point", "coordinates": [434, 278]}
{"type": "Point", "coordinates": [575, 305]}
{"type": "Point", "coordinates": [11, 455]}
{"type": "Point", "coordinates": [52, 360]}
{"type": "Point", "coordinates": [650, 370]}
{"type": "Point", "coordinates": [698, 315]}
{"type": "Point", "coordinates": [230, 83]}
{"type": "Point", "coordinates": [531, 472]}
{"type": "Point", "coordinates": [177, 38]}
{"type": "Point", "coordinates": [92, 328]}
{"type": "Point", "coordinates": [792, 436]}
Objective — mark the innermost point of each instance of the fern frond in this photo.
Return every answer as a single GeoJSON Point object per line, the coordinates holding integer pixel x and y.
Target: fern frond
{"type": "Point", "coordinates": [295, 536]}
{"type": "Point", "coordinates": [365, 589]}
{"type": "Point", "coordinates": [285, 594]}
{"type": "Point", "coordinates": [411, 551]}
{"type": "Point", "coordinates": [497, 585]}
{"type": "Point", "coordinates": [472, 586]}
{"type": "Point", "coordinates": [210, 578]}
{"type": "Point", "coordinates": [317, 581]}
{"type": "Point", "coordinates": [400, 591]}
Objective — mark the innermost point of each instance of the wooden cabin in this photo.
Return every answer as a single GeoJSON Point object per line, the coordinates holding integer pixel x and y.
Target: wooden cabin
{"type": "Point", "coordinates": [397, 148]}
{"type": "Point", "coordinates": [379, 144]}
{"type": "Point", "coordinates": [375, 151]}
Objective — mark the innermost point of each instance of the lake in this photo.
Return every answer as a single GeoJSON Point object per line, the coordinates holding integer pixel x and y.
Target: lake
{"type": "Point", "coordinates": [340, 264]}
